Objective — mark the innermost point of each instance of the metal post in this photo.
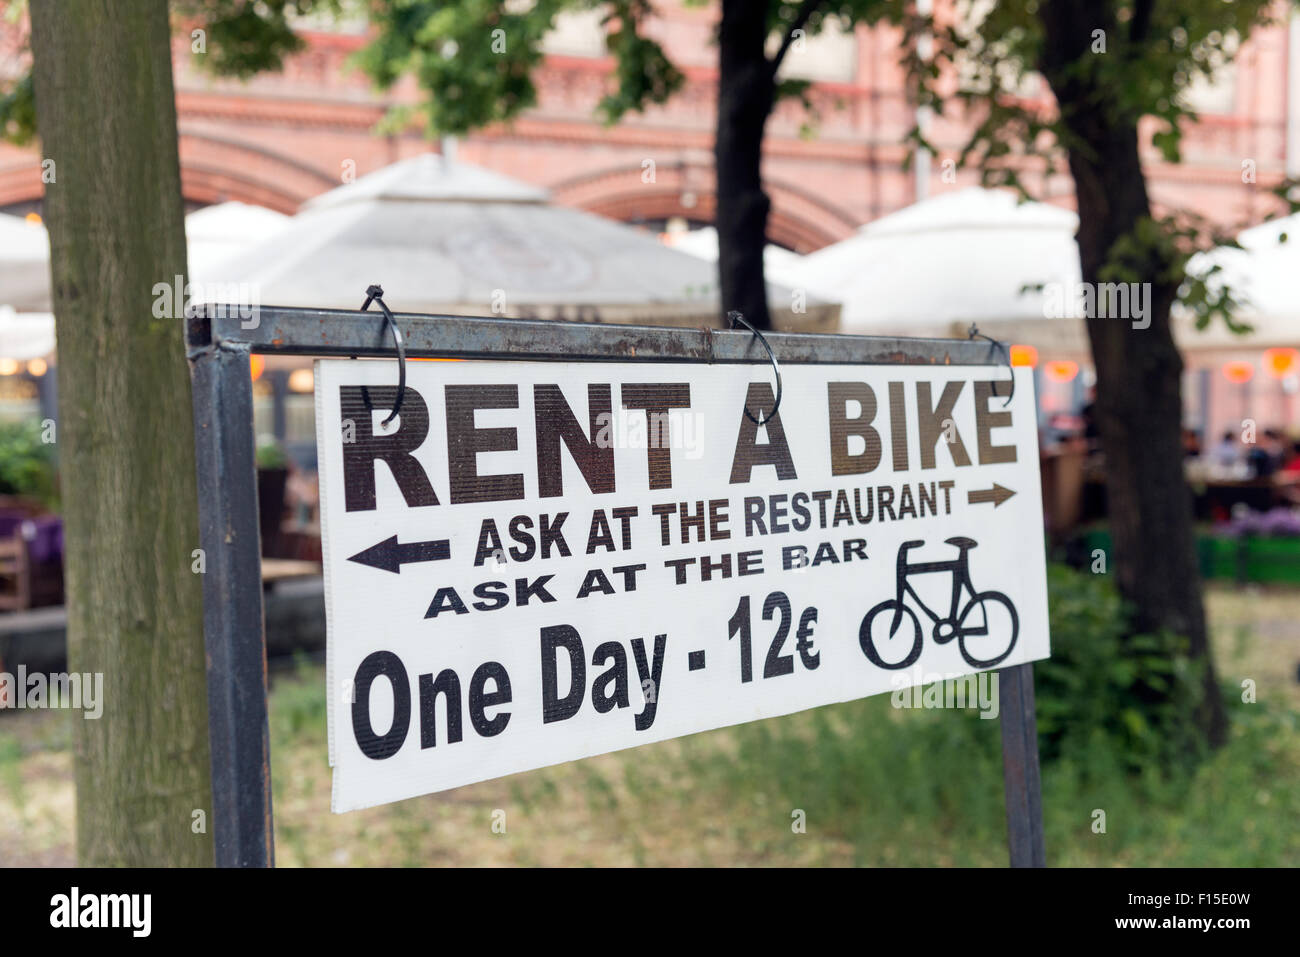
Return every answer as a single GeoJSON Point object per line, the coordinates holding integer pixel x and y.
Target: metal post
{"type": "Point", "coordinates": [47, 387]}
{"type": "Point", "coordinates": [279, 380]}
{"type": "Point", "coordinates": [1023, 789]}
{"type": "Point", "coordinates": [232, 606]}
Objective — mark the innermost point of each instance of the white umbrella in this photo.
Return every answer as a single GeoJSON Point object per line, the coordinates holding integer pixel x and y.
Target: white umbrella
{"type": "Point", "coordinates": [1261, 276]}
{"type": "Point", "coordinates": [779, 264]}
{"type": "Point", "coordinates": [449, 237]}
{"type": "Point", "coordinates": [214, 234]}
{"type": "Point", "coordinates": [25, 335]}
{"type": "Point", "coordinates": [24, 264]}
{"type": "Point", "coordinates": [936, 266]}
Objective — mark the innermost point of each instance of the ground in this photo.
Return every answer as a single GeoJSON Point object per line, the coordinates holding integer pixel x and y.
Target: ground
{"type": "Point", "coordinates": [873, 786]}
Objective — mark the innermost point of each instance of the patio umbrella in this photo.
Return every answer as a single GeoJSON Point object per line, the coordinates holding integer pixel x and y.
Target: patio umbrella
{"type": "Point", "coordinates": [972, 255]}
{"type": "Point", "coordinates": [1261, 276]}
{"type": "Point", "coordinates": [778, 263]}
{"type": "Point", "coordinates": [24, 264]}
{"type": "Point", "coordinates": [449, 237]}
{"type": "Point", "coordinates": [214, 234]}
{"type": "Point", "coordinates": [25, 335]}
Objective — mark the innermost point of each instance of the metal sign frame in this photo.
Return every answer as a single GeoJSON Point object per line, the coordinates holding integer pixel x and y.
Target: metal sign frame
{"type": "Point", "coordinates": [221, 339]}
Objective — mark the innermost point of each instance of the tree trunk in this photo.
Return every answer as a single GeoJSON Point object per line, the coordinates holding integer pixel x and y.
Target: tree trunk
{"type": "Point", "coordinates": [746, 89]}
{"type": "Point", "coordinates": [106, 116]}
{"type": "Point", "coordinates": [1139, 370]}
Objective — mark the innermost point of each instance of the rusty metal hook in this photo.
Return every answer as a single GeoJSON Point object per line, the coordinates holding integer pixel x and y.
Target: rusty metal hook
{"type": "Point", "coordinates": [375, 293]}
{"type": "Point", "coordinates": [735, 317]}
{"type": "Point", "coordinates": [974, 331]}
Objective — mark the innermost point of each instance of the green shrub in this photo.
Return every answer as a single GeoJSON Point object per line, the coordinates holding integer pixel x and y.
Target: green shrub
{"type": "Point", "coordinates": [298, 709]}
{"type": "Point", "coordinates": [270, 454]}
{"type": "Point", "coordinates": [27, 463]}
{"type": "Point", "coordinates": [1136, 691]}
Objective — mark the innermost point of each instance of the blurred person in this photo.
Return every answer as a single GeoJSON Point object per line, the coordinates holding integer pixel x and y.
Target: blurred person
{"type": "Point", "coordinates": [1091, 431]}
{"type": "Point", "coordinates": [1291, 465]}
{"type": "Point", "coordinates": [1265, 457]}
{"type": "Point", "coordinates": [1226, 452]}
{"type": "Point", "coordinates": [1287, 477]}
{"type": "Point", "coordinates": [1278, 447]}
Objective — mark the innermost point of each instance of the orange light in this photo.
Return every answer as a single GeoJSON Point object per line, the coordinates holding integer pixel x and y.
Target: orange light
{"type": "Point", "coordinates": [8, 366]}
{"type": "Point", "coordinates": [1238, 372]}
{"type": "Point", "coordinates": [255, 366]}
{"type": "Point", "coordinates": [37, 367]}
{"type": "Point", "coordinates": [1278, 362]}
{"type": "Point", "coordinates": [33, 218]}
{"type": "Point", "coordinates": [1024, 356]}
{"type": "Point", "coordinates": [301, 380]}
{"type": "Point", "coordinates": [1061, 370]}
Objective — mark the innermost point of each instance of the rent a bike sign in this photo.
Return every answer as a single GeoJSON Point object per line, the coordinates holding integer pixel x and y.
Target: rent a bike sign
{"type": "Point", "coordinates": [533, 562]}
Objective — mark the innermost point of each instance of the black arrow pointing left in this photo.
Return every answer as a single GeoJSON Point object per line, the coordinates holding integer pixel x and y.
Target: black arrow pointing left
{"type": "Point", "coordinates": [390, 555]}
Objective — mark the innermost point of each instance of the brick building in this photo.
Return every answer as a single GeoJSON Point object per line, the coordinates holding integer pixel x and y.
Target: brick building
{"type": "Point", "coordinates": [282, 138]}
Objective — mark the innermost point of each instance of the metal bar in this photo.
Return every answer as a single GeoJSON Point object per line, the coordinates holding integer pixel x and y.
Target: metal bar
{"type": "Point", "coordinates": [1020, 766]}
{"type": "Point", "coordinates": [339, 332]}
{"type": "Point", "coordinates": [232, 606]}
{"type": "Point", "coordinates": [279, 382]}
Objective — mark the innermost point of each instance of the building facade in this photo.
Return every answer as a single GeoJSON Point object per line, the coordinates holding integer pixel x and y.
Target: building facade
{"type": "Point", "coordinates": [282, 138]}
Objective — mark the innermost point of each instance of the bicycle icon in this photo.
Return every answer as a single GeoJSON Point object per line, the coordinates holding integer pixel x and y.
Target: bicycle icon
{"type": "Point", "coordinates": [977, 626]}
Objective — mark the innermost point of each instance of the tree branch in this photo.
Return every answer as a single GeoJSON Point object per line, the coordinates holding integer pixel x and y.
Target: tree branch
{"type": "Point", "coordinates": [800, 21]}
{"type": "Point", "coordinates": [1140, 25]}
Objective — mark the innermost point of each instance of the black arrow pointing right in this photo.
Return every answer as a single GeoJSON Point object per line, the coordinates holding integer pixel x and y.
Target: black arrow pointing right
{"type": "Point", "coordinates": [390, 555]}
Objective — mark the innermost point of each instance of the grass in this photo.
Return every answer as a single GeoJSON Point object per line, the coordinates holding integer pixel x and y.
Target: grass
{"type": "Point", "coordinates": [872, 785]}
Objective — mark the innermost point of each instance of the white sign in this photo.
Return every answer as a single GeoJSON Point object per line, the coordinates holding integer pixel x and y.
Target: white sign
{"type": "Point", "coordinates": [535, 562]}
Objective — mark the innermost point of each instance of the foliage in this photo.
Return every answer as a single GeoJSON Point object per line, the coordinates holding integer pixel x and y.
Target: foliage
{"type": "Point", "coordinates": [27, 463]}
{"type": "Point", "coordinates": [18, 111]}
{"type": "Point", "coordinates": [879, 786]}
{"type": "Point", "coordinates": [270, 454]}
{"type": "Point", "coordinates": [473, 76]}
{"type": "Point", "coordinates": [644, 72]}
{"type": "Point", "coordinates": [1135, 59]}
{"type": "Point", "coordinates": [299, 710]}
{"type": "Point", "coordinates": [475, 56]}
{"type": "Point", "coordinates": [1103, 687]}
{"type": "Point", "coordinates": [925, 787]}
{"type": "Point", "coordinates": [1118, 75]}
{"type": "Point", "coordinates": [473, 59]}
{"type": "Point", "coordinates": [1279, 522]}
{"type": "Point", "coordinates": [884, 786]}
{"type": "Point", "coordinates": [246, 37]}
{"type": "Point", "coordinates": [241, 38]}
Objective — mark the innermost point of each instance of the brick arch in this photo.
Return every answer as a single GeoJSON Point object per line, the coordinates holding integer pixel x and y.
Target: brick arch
{"type": "Point", "coordinates": [22, 183]}
{"type": "Point", "coordinates": [798, 220]}
{"type": "Point", "coordinates": [213, 170]}
{"type": "Point", "coordinates": [216, 169]}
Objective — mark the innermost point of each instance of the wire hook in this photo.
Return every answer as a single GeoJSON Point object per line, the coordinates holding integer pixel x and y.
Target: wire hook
{"type": "Point", "coordinates": [375, 293]}
{"type": "Point", "coordinates": [735, 317]}
{"type": "Point", "coordinates": [974, 331]}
